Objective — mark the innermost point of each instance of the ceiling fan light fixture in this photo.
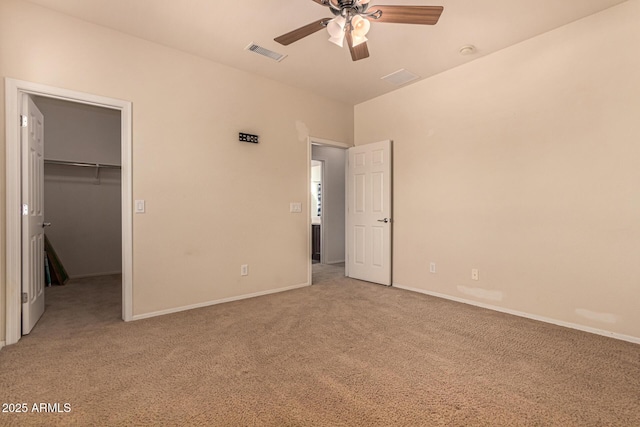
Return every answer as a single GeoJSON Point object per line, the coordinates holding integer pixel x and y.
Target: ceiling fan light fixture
{"type": "Point", "coordinates": [356, 40]}
{"type": "Point", "coordinates": [337, 40]}
{"type": "Point", "coordinates": [360, 26]}
{"type": "Point", "coordinates": [335, 28]}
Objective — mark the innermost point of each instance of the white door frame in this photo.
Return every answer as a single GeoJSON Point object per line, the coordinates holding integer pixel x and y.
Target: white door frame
{"type": "Point", "coordinates": [13, 93]}
{"type": "Point", "coordinates": [312, 140]}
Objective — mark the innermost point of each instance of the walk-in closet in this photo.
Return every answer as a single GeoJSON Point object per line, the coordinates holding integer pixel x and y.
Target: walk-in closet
{"type": "Point", "coordinates": [82, 193]}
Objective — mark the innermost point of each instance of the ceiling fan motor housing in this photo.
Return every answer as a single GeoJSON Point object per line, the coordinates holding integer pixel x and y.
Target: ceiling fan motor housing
{"type": "Point", "coordinates": [344, 7]}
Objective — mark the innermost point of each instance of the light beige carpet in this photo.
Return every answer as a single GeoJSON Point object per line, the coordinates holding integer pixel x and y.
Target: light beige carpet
{"type": "Point", "coordinates": [339, 353]}
{"type": "Point", "coordinates": [327, 272]}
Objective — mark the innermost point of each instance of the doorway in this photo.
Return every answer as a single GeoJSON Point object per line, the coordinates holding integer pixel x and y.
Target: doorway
{"type": "Point", "coordinates": [317, 173]}
{"type": "Point", "coordinates": [327, 174]}
{"type": "Point", "coordinates": [82, 186]}
{"type": "Point", "coordinates": [14, 93]}
{"type": "Point", "coordinates": [82, 206]}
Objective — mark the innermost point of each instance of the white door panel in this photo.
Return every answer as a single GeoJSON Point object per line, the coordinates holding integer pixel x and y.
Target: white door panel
{"type": "Point", "coordinates": [359, 193]}
{"type": "Point", "coordinates": [377, 251]}
{"type": "Point", "coordinates": [359, 245]}
{"type": "Point", "coordinates": [32, 141]}
{"type": "Point", "coordinates": [369, 212]}
{"type": "Point", "coordinates": [377, 193]}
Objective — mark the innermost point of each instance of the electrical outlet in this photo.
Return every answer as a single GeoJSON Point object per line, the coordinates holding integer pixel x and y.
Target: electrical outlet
{"type": "Point", "coordinates": [474, 274]}
{"type": "Point", "coordinates": [432, 267]}
{"type": "Point", "coordinates": [244, 270]}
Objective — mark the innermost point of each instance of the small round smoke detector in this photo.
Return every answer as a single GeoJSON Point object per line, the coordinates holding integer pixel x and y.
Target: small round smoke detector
{"type": "Point", "coordinates": [467, 50]}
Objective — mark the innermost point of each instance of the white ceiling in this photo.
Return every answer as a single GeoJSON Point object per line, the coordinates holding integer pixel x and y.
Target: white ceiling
{"type": "Point", "coordinates": [220, 30]}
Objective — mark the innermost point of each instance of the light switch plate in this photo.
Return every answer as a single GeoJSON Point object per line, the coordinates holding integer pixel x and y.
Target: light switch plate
{"type": "Point", "coordinates": [295, 207]}
{"type": "Point", "coordinates": [140, 206]}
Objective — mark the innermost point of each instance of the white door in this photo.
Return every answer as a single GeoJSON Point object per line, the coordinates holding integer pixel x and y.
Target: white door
{"type": "Point", "coordinates": [32, 140]}
{"type": "Point", "coordinates": [369, 212]}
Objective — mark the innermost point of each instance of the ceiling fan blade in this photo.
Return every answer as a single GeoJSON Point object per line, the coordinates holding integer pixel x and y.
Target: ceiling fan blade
{"type": "Point", "coordinates": [326, 2]}
{"type": "Point", "coordinates": [357, 52]}
{"type": "Point", "coordinates": [295, 35]}
{"type": "Point", "coordinates": [424, 15]}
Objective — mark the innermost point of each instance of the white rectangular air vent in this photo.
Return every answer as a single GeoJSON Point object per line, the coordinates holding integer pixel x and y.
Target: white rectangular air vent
{"type": "Point", "coordinates": [265, 52]}
{"type": "Point", "coordinates": [400, 77]}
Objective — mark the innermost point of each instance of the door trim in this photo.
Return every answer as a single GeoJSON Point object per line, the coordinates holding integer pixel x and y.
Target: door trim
{"type": "Point", "coordinates": [13, 92]}
{"type": "Point", "coordinates": [312, 140]}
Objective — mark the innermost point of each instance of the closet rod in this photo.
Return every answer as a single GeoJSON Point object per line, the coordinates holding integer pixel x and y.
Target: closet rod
{"type": "Point", "coordinates": [81, 164]}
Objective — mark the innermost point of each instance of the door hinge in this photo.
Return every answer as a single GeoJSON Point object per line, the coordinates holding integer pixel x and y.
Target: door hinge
{"type": "Point", "coordinates": [25, 297]}
{"type": "Point", "coordinates": [24, 121]}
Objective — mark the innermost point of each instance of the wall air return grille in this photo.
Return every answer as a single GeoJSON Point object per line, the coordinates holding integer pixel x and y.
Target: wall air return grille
{"type": "Point", "coordinates": [265, 52]}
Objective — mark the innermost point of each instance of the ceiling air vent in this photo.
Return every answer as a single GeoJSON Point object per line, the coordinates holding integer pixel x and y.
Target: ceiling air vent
{"type": "Point", "coordinates": [265, 52]}
{"type": "Point", "coordinates": [400, 77]}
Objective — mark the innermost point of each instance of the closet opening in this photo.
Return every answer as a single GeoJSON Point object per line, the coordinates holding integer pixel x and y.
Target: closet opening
{"type": "Point", "coordinates": [82, 209]}
{"type": "Point", "coordinates": [24, 198]}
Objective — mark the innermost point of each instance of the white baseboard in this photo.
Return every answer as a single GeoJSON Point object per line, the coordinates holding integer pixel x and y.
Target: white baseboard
{"type": "Point", "coordinates": [622, 337]}
{"type": "Point", "coordinates": [2, 344]}
{"type": "Point", "coordinates": [84, 276]}
{"type": "Point", "coordinates": [215, 302]}
{"type": "Point", "coordinates": [334, 262]}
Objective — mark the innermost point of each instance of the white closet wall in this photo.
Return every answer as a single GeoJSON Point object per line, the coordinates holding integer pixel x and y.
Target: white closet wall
{"type": "Point", "coordinates": [85, 213]}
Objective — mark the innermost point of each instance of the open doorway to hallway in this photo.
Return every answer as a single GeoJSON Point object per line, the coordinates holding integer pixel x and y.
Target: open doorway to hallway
{"type": "Point", "coordinates": [328, 169]}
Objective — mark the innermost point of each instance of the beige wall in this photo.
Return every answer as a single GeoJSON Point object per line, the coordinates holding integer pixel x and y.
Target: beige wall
{"type": "Point", "coordinates": [201, 185]}
{"type": "Point", "coordinates": [524, 165]}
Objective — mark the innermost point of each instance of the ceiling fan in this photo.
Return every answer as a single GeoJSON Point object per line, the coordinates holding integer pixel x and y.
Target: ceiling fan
{"type": "Point", "coordinates": [352, 22]}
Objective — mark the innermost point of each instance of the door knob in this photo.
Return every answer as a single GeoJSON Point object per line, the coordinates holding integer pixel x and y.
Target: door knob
{"type": "Point", "coordinates": [46, 224]}
{"type": "Point", "coordinates": [385, 220]}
